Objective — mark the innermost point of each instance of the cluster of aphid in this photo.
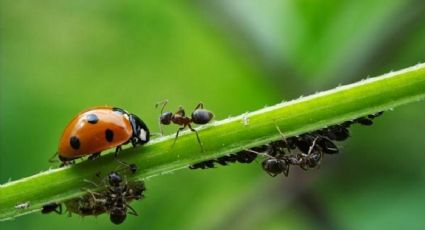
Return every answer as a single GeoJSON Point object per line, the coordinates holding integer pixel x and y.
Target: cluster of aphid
{"type": "Point", "coordinates": [305, 151]}
{"type": "Point", "coordinates": [114, 200]}
{"type": "Point", "coordinates": [95, 130]}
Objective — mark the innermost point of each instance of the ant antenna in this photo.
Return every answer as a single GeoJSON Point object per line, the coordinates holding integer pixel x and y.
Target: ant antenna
{"type": "Point", "coordinates": [132, 167]}
{"type": "Point", "coordinates": [258, 153]}
{"type": "Point", "coordinates": [283, 138]}
{"type": "Point", "coordinates": [91, 182]}
{"type": "Point", "coordinates": [163, 103]}
{"type": "Point", "coordinates": [312, 145]}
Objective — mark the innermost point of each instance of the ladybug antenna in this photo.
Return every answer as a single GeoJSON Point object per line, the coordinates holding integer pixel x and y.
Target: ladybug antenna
{"type": "Point", "coordinates": [52, 160]}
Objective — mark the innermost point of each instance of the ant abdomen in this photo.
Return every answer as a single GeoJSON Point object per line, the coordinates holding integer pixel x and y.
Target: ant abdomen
{"type": "Point", "coordinates": [275, 166]}
{"type": "Point", "coordinates": [201, 116]}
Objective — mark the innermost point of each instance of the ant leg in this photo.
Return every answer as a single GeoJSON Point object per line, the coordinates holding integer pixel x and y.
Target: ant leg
{"type": "Point", "coordinates": [199, 106]}
{"type": "Point", "coordinates": [132, 211]}
{"type": "Point", "coordinates": [272, 174]}
{"type": "Point", "coordinates": [181, 111]}
{"type": "Point", "coordinates": [177, 134]}
{"type": "Point", "coordinates": [197, 136]}
{"type": "Point", "coordinates": [286, 172]}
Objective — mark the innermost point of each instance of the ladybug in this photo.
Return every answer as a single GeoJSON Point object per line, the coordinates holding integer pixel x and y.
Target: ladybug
{"type": "Point", "coordinates": [97, 129]}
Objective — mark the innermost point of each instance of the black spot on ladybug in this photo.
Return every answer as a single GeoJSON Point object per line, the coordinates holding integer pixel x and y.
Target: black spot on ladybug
{"type": "Point", "coordinates": [92, 118]}
{"type": "Point", "coordinates": [74, 142]}
{"type": "Point", "coordinates": [109, 135]}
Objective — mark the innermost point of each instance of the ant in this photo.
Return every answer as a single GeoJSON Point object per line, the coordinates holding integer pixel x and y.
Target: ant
{"type": "Point", "coordinates": [199, 116]}
{"type": "Point", "coordinates": [311, 158]}
{"type": "Point", "coordinates": [115, 200]}
{"type": "Point", "coordinates": [94, 204]}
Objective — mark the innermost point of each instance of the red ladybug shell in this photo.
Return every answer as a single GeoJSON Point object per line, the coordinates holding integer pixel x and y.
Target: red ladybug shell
{"type": "Point", "coordinates": [93, 131]}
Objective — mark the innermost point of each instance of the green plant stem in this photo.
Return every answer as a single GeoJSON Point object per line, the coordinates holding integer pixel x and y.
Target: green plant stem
{"type": "Point", "coordinates": [220, 138]}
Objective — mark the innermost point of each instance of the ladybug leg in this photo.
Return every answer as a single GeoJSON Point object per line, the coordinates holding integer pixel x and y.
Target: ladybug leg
{"type": "Point", "coordinates": [197, 137]}
{"type": "Point", "coordinates": [134, 142]}
{"type": "Point", "coordinates": [119, 148]}
{"type": "Point", "coordinates": [94, 156]}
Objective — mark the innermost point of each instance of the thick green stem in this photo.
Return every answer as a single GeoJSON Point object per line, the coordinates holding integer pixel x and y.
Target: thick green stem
{"type": "Point", "coordinates": [221, 137]}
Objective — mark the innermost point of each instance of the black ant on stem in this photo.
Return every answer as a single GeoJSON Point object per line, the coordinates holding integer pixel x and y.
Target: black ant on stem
{"type": "Point", "coordinates": [199, 116]}
{"type": "Point", "coordinates": [115, 200]}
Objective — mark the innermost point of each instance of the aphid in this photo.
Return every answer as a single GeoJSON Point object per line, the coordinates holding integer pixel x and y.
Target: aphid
{"type": "Point", "coordinates": [199, 116]}
{"type": "Point", "coordinates": [364, 121]}
{"type": "Point", "coordinates": [336, 132]}
{"type": "Point", "coordinates": [52, 207]}
{"type": "Point", "coordinates": [24, 205]}
{"type": "Point", "coordinates": [100, 128]}
{"type": "Point", "coordinates": [326, 145]}
{"type": "Point", "coordinates": [243, 156]}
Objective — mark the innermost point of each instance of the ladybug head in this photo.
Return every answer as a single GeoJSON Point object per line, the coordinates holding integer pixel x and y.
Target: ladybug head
{"type": "Point", "coordinates": [141, 133]}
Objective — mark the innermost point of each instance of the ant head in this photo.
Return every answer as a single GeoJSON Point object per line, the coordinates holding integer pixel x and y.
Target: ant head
{"type": "Point", "coordinates": [314, 159]}
{"type": "Point", "coordinates": [117, 215]}
{"type": "Point", "coordinates": [275, 166]}
{"type": "Point", "coordinates": [114, 179]}
{"type": "Point", "coordinates": [165, 118]}
{"type": "Point", "coordinates": [202, 116]}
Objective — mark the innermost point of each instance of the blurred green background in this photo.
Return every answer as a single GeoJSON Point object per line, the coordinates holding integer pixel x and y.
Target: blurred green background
{"type": "Point", "coordinates": [59, 57]}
